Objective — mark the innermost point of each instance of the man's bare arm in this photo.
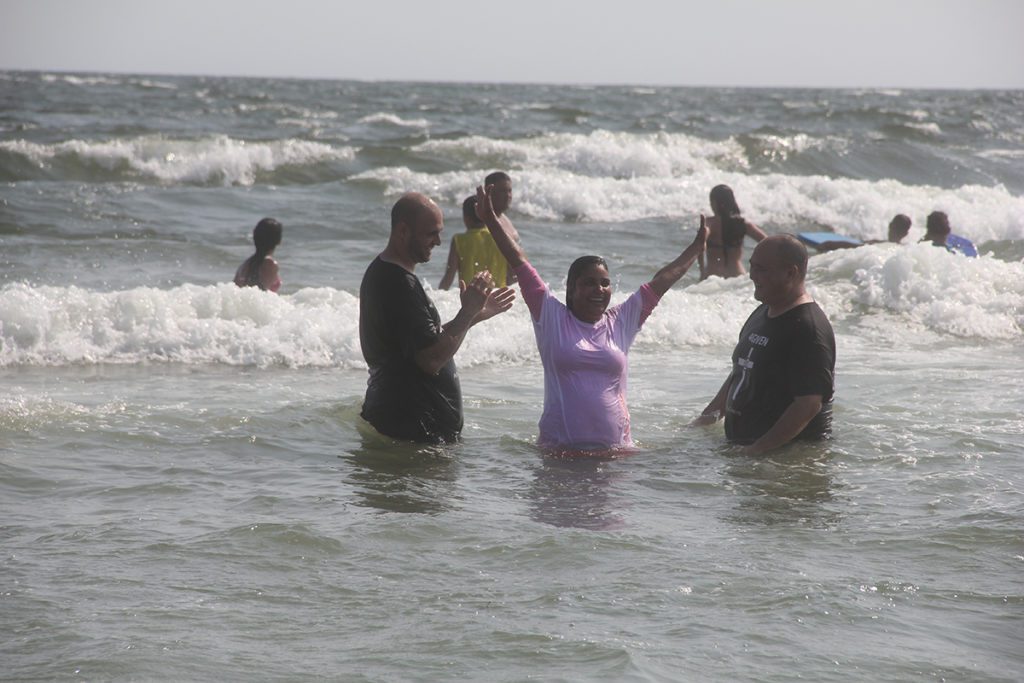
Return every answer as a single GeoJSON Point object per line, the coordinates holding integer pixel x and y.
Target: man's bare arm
{"type": "Point", "coordinates": [797, 415]}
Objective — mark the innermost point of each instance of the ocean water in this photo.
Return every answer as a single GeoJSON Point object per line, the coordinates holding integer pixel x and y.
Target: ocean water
{"type": "Point", "coordinates": [188, 493]}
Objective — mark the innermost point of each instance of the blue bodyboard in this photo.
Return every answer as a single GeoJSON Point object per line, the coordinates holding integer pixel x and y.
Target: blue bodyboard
{"type": "Point", "coordinates": [815, 239]}
{"type": "Point", "coordinates": [961, 245]}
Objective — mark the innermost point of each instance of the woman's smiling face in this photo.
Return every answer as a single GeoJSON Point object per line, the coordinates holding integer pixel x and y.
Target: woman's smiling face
{"type": "Point", "coordinates": [591, 293]}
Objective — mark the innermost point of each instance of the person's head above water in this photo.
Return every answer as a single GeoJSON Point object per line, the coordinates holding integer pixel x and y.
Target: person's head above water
{"type": "Point", "coordinates": [723, 201]}
{"type": "Point", "coordinates": [724, 206]}
{"type": "Point", "coordinates": [267, 235]}
{"type": "Point", "coordinates": [899, 226]}
{"type": "Point", "coordinates": [588, 288]}
{"type": "Point", "coordinates": [778, 267]}
{"type": "Point", "coordinates": [937, 228]}
{"type": "Point", "coordinates": [469, 217]}
{"type": "Point", "coordinates": [416, 224]}
{"type": "Point", "coordinates": [501, 191]}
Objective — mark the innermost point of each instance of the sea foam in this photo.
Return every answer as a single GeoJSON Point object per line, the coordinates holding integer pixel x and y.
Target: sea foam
{"type": "Point", "coordinates": [613, 177]}
{"type": "Point", "coordinates": [187, 324]}
{"type": "Point", "coordinates": [780, 203]}
{"type": "Point", "coordinates": [920, 286]}
{"type": "Point", "coordinates": [925, 287]}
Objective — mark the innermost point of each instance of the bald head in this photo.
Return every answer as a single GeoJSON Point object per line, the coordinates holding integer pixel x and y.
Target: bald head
{"type": "Point", "coordinates": [412, 207]}
{"type": "Point", "coordinates": [785, 250]}
{"type": "Point", "coordinates": [416, 225]}
{"type": "Point", "coordinates": [777, 268]}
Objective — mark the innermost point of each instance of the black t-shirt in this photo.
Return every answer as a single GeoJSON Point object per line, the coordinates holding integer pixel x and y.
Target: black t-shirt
{"type": "Point", "coordinates": [776, 360]}
{"type": "Point", "coordinates": [397, 319]}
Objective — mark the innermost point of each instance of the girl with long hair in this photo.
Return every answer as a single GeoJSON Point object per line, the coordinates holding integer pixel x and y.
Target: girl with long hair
{"type": "Point", "coordinates": [260, 269]}
{"type": "Point", "coordinates": [727, 229]}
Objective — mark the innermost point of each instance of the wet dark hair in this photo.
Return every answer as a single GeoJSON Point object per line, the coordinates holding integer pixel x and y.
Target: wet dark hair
{"type": "Point", "coordinates": [902, 220]}
{"type": "Point", "coordinates": [575, 270]}
{"type": "Point", "coordinates": [469, 212]}
{"type": "Point", "coordinates": [899, 226]}
{"type": "Point", "coordinates": [937, 221]}
{"type": "Point", "coordinates": [266, 236]}
{"type": "Point", "coordinates": [734, 228]}
{"type": "Point", "coordinates": [497, 177]}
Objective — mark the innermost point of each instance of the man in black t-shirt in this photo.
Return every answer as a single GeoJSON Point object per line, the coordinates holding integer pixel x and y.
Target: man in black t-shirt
{"type": "Point", "coordinates": [782, 378]}
{"type": "Point", "coordinates": [413, 391]}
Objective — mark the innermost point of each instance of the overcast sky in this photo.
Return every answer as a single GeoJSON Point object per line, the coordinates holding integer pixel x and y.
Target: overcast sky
{"type": "Point", "coordinates": [821, 43]}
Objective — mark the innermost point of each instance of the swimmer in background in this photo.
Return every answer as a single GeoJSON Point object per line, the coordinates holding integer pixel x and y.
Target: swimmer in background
{"type": "Point", "coordinates": [939, 233]}
{"type": "Point", "coordinates": [260, 269]}
{"type": "Point", "coordinates": [473, 251]}
{"type": "Point", "coordinates": [936, 229]}
{"type": "Point", "coordinates": [501, 199]}
{"type": "Point", "coordinates": [899, 226]}
{"type": "Point", "coordinates": [726, 230]}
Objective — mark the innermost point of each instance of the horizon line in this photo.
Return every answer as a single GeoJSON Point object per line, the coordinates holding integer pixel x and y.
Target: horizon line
{"type": "Point", "coordinates": [579, 84]}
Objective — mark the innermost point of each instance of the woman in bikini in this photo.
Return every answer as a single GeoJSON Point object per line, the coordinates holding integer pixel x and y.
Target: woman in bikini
{"type": "Point", "coordinates": [726, 230]}
{"type": "Point", "coordinates": [260, 269]}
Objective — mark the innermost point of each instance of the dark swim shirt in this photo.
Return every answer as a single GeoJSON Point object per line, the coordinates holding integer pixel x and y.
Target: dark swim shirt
{"type": "Point", "coordinates": [397, 319]}
{"type": "Point", "coordinates": [776, 360]}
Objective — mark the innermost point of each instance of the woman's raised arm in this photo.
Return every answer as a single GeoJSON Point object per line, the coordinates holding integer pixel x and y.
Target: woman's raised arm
{"type": "Point", "coordinates": [507, 245]}
{"type": "Point", "coordinates": [670, 274]}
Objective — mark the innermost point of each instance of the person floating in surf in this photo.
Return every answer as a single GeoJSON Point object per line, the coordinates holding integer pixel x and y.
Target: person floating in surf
{"type": "Point", "coordinates": [939, 233]}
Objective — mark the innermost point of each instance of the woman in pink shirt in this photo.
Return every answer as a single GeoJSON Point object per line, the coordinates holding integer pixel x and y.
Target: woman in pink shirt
{"type": "Point", "coordinates": [260, 269]}
{"type": "Point", "coordinates": [583, 343]}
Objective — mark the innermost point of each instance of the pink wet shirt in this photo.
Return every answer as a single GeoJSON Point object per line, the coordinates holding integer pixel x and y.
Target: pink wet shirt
{"type": "Point", "coordinates": [585, 366]}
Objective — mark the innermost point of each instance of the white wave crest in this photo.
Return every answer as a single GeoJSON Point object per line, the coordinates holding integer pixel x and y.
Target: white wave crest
{"type": "Point", "coordinates": [187, 324]}
{"type": "Point", "coordinates": [929, 127]}
{"type": "Point", "coordinates": [599, 154]}
{"type": "Point", "coordinates": [781, 147]}
{"type": "Point", "coordinates": [924, 287]}
{"type": "Point", "coordinates": [223, 324]}
{"type": "Point", "coordinates": [315, 327]}
{"type": "Point", "coordinates": [859, 208]}
{"type": "Point", "coordinates": [220, 158]}
{"type": "Point", "coordinates": [394, 120]}
{"type": "Point", "coordinates": [80, 80]}
{"type": "Point", "coordinates": [613, 177]}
